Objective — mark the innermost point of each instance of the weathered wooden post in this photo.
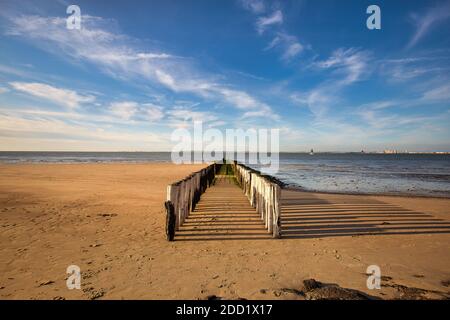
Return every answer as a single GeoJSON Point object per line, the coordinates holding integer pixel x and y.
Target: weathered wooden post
{"type": "Point", "coordinates": [173, 191]}
{"type": "Point", "coordinates": [277, 212]}
{"type": "Point", "coordinates": [271, 208]}
{"type": "Point", "coordinates": [181, 203]}
{"type": "Point", "coordinates": [170, 221]}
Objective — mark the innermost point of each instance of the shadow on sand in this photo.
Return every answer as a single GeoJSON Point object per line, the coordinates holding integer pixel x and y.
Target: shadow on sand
{"type": "Point", "coordinates": [306, 215]}
{"type": "Point", "coordinates": [224, 213]}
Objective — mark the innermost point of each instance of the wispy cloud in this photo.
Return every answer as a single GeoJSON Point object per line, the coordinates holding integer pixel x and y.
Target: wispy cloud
{"type": "Point", "coordinates": [18, 133]}
{"type": "Point", "coordinates": [412, 67]}
{"type": "Point", "coordinates": [383, 104]}
{"type": "Point", "coordinates": [239, 99]}
{"type": "Point", "coordinates": [276, 18]}
{"type": "Point", "coordinates": [94, 43]}
{"type": "Point", "coordinates": [262, 112]}
{"type": "Point", "coordinates": [116, 55]}
{"type": "Point", "coordinates": [125, 109]}
{"type": "Point", "coordinates": [255, 6]}
{"type": "Point", "coordinates": [290, 46]}
{"type": "Point", "coordinates": [441, 93]}
{"type": "Point", "coordinates": [370, 126]}
{"type": "Point", "coordinates": [60, 96]}
{"type": "Point", "coordinates": [345, 66]}
{"type": "Point", "coordinates": [317, 100]}
{"type": "Point", "coordinates": [131, 110]}
{"type": "Point", "coordinates": [426, 21]}
{"type": "Point", "coordinates": [183, 117]}
{"type": "Point", "coordinates": [351, 63]}
{"type": "Point", "coordinates": [13, 71]}
{"type": "Point", "coordinates": [153, 112]}
{"type": "Point", "coordinates": [375, 117]}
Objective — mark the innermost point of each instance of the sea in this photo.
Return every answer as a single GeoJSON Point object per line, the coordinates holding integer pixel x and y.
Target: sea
{"type": "Point", "coordinates": [365, 173]}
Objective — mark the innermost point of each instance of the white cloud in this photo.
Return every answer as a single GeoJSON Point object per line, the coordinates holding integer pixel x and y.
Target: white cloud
{"type": "Point", "coordinates": [13, 71]}
{"type": "Point", "coordinates": [275, 18]}
{"type": "Point", "coordinates": [347, 66]}
{"type": "Point", "coordinates": [116, 54]}
{"type": "Point", "coordinates": [166, 79]}
{"type": "Point", "coordinates": [405, 69]}
{"type": "Point", "coordinates": [112, 51]}
{"type": "Point", "coordinates": [263, 112]}
{"type": "Point", "coordinates": [292, 50]}
{"type": "Point", "coordinates": [124, 110]}
{"type": "Point", "coordinates": [351, 63]}
{"type": "Point", "coordinates": [426, 21]}
{"type": "Point", "coordinates": [239, 99]}
{"type": "Point", "coordinates": [441, 93]}
{"type": "Point", "coordinates": [153, 112]}
{"type": "Point", "coordinates": [383, 104]}
{"type": "Point", "coordinates": [289, 45]}
{"type": "Point", "coordinates": [183, 117]}
{"type": "Point", "coordinates": [379, 120]}
{"type": "Point", "coordinates": [64, 97]}
{"type": "Point", "coordinates": [254, 6]}
{"type": "Point", "coordinates": [254, 107]}
{"type": "Point", "coordinates": [17, 133]}
{"type": "Point", "coordinates": [317, 100]}
{"type": "Point", "coordinates": [131, 110]}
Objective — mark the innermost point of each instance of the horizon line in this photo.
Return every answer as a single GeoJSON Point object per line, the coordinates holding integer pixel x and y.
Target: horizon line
{"type": "Point", "coordinates": [246, 152]}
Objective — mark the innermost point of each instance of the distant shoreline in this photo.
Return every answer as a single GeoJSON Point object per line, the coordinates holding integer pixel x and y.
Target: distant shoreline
{"type": "Point", "coordinates": [281, 152]}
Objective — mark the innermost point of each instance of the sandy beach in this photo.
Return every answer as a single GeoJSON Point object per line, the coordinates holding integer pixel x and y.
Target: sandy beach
{"type": "Point", "coordinates": [109, 219]}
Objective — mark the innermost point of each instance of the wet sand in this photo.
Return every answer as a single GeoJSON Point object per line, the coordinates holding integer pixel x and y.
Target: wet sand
{"type": "Point", "coordinates": [109, 220]}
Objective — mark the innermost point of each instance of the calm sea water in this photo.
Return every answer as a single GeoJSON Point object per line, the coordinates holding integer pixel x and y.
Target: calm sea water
{"type": "Point", "coordinates": [407, 174]}
{"type": "Point", "coordinates": [76, 157]}
{"type": "Point", "coordinates": [413, 174]}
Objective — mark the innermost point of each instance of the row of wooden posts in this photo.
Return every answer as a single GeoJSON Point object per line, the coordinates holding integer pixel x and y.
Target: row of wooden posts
{"type": "Point", "coordinates": [182, 196]}
{"type": "Point", "coordinates": [263, 192]}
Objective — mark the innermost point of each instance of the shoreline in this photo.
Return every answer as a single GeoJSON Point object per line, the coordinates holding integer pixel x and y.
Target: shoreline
{"type": "Point", "coordinates": [286, 186]}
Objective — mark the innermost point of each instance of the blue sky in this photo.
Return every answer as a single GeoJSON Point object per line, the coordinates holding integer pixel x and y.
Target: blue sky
{"type": "Point", "coordinates": [138, 70]}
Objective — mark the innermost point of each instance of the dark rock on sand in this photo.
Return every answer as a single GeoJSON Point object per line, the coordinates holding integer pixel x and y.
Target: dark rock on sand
{"type": "Point", "coordinates": [315, 290]}
{"type": "Point", "coordinates": [311, 284]}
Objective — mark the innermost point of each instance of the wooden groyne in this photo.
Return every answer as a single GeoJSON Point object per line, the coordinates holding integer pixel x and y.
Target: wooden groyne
{"type": "Point", "coordinates": [183, 195]}
{"type": "Point", "coordinates": [264, 194]}
{"type": "Point", "coordinates": [262, 191]}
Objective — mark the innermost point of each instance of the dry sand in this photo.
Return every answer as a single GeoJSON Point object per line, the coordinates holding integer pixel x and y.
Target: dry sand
{"type": "Point", "coordinates": [109, 220]}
